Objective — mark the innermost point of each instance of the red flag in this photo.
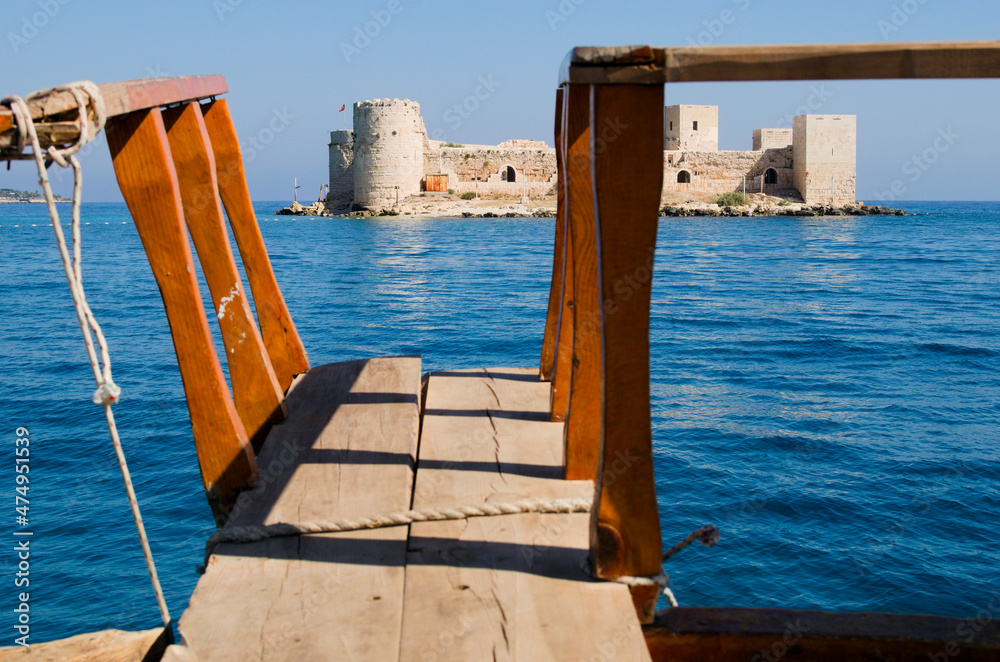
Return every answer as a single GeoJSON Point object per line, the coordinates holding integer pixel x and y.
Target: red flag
{"type": "Point", "coordinates": [343, 107]}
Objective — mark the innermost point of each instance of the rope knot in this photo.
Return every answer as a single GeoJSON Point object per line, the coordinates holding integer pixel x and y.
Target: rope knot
{"type": "Point", "coordinates": [108, 393]}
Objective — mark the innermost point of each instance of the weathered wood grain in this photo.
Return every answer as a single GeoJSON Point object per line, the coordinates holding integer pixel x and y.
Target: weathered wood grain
{"type": "Point", "coordinates": [555, 288]}
{"type": "Point", "coordinates": [106, 646]}
{"type": "Point", "coordinates": [725, 633]}
{"type": "Point", "coordinates": [346, 449]}
{"type": "Point", "coordinates": [140, 153]}
{"type": "Point", "coordinates": [509, 587]}
{"type": "Point", "coordinates": [583, 423]}
{"type": "Point", "coordinates": [55, 109]}
{"type": "Point", "coordinates": [562, 372]}
{"type": "Point", "coordinates": [285, 348]}
{"type": "Point", "coordinates": [626, 126]}
{"type": "Point", "coordinates": [634, 65]}
{"type": "Point", "coordinates": [258, 396]}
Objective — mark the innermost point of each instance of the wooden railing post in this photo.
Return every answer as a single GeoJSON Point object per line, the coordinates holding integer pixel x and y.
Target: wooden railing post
{"type": "Point", "coordinates": [583, 424]}
{"type": "Point", "coordinates": [562, 369]}
{"type": "Point", "coordinates": [626, 149]}
{"type": "Point", "coordinates": [555, 290]}
{"type": "Point", "coordinates": [288, 356]}
{"type": "Point", "coordinates": [258, 396]}
{"type": "Point", "coordinates": [148, 180]}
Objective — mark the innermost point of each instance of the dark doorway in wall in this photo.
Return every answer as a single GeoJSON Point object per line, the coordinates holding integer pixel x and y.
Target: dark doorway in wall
{"type": "Point", "coordinates": [770, 176]}
{"type": "Point", "coordinates": [509, 174]}
{"type": "Point", "coordinates": [684, 177]}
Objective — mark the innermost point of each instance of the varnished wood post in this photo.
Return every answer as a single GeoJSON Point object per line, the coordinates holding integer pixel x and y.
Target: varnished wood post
{"type": "Point", "coordinates": [583, 423]}
{"type": "Point", "coordinates": [626, 139]}
{"type": "Point", "coordinates": [258, 396]}
{"type": "Point", "coordinates": [288, 356]}
{"type": "Point", "coordinates": [563, 370]}
{"type": "Point", "coordinates": [147, 178]}
{"type": "Point", "coordinates": [555, 300]}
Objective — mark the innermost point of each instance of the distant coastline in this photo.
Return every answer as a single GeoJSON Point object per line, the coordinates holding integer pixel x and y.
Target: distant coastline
{"type": "Point", "coordinates": [5, 201]}
{"type": "Point", "coordinates": [9, 195]}
{"type": "Point", "coordinates": [450, 205]}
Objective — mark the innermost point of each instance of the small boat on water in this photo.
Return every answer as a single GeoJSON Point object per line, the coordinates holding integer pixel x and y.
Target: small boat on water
{"type": "Point", "coordinates": [369, 512]}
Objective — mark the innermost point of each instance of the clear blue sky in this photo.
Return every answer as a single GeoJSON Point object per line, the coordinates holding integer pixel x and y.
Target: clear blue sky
{"type": "Point", "coordinates": [289, 58]}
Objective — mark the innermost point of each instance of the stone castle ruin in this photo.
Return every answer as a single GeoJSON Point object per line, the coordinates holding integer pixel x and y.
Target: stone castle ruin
{"type": "Point", "coordinates": [388, 157]}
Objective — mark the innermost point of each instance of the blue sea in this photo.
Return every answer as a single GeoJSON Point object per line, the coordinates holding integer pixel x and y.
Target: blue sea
{"type": "Point", "coordinates": [825, 390]}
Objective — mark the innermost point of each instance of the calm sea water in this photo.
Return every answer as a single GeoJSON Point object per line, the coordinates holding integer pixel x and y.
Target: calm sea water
{"type": "Point", "coordinates": [825, 390]}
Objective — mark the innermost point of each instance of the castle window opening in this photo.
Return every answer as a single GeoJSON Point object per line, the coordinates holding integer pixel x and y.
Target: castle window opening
{"type": "Point", "coordinates": [671, 125]}
{"type": "Point", "coordinates": [770, 176]}
{"type": "Point", "coordinates": [684, 177]}
{"type": "Point", "coordinates": [696, 125]}
{"type": "Point", "coordinates": [508, 174]}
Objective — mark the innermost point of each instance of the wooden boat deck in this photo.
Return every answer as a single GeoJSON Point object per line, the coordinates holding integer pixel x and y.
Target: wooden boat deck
{"type": "Point", "coordinates": [357, 442]}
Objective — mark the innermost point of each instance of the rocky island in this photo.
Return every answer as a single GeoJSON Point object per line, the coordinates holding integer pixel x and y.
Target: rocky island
{"type": "Point", "coordinates": [389, 166]}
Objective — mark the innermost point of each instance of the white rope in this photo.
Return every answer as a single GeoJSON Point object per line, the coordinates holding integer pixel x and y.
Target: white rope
{"type": "Point", "coordinates": [254, 533]}
{"type": "Point", "coordinates": [87, 95]}
{"type": "Point", "coordinates": [245, 534]}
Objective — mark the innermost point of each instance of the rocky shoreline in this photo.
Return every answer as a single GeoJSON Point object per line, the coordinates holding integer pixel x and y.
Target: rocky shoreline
{"type": "Point", "coordinates": [447, 206]}
{"type": "Point", "coordinates": [860, 209]}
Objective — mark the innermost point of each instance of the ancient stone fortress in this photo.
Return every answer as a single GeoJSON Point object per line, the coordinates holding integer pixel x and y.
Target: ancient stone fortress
{"type": "Point", "coordinates": [388, 157]}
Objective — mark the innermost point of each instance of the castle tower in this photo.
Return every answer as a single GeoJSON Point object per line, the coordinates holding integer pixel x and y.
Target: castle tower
{"type": "Point", "coordinates": [389, 139]}
{"type": "Point", "coordinates": [824, 150]}
{"type": "Point", "coordinates": [691, 128]}
{"type": "Point", "coordinates": [341, 193]}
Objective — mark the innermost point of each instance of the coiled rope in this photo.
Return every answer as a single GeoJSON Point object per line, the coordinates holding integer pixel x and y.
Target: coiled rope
{"type": "Point", "coordinates": [708, 534]}
{"type": "Point", "coordinates": [87, 95]}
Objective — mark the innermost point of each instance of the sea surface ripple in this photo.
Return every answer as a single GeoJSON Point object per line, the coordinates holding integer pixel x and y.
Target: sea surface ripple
{"type": "Point", "coordinates": [825, 390]}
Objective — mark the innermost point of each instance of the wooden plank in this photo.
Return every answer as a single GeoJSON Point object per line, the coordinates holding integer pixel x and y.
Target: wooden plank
{"type": "Point", "coordinates": [346, 449]}
{"type": "Point", "coordinates": [258, 396]}
{"type": "Point", "coordinates": [626, 126]}
{"type": "Point", "coordinates": [120, 98]}
{"type": "Point", "coordinates": [547, 363]}
{"type": "Point", "coordinates": [106, 645]}
{"type": "Point", "coordinates": [148, 181]}
{"type": "Point", "coordinates": [510, 587]}
{"type": "Point", "coordinates": [632, 65]}
{"type": "Point", "coordinates": [288, 355]}
{"type": "Point", "coordinates": [583, 424]}
{"type": "Point", "coordinates": [713, 633]}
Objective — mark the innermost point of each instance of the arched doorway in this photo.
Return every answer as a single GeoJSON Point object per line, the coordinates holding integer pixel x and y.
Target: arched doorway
{"type": "Point", "coordinates": [770, 176]}
{"type": "Point", "coordinates": [684, 177]}
{"type": "Point", "coordinates": [508, 174]}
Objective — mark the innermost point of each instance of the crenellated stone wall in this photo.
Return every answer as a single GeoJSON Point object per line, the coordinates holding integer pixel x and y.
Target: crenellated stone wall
{"type": "Point", "coordinates": [691, 128]}
{"type": "Point", "coordinates": [723, 171]}
{"type": "Point", "coordinates": [341, 146]}
{"type": "Point", "coordinates": [389, 140]}
{"type": "Point", "coordinates": [825, 152]}
{"type": "Point", "coordinates": [483, 168]}
{"type": "Point", "coordinates": [389, 155]}
{"type": "Point", "coordinates": [771, 138]}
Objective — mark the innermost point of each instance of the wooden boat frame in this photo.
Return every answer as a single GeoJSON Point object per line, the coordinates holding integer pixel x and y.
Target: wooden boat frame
{"type": "Point", "coordinates": [177, 160]}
